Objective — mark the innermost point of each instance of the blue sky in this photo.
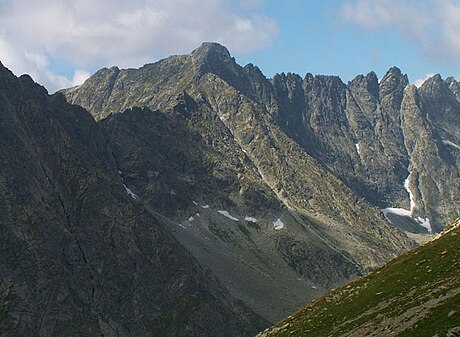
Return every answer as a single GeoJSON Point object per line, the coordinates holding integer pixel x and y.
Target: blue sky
{"type": "Point", "coordinates": [313, 37]}
{"type": "Point", "coordinates": [61, 42]}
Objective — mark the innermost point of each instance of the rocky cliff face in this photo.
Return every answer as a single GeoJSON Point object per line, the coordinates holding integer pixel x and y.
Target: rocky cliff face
{"type": "Point", "coordinates": [80, 254]}
{"type": "Point", "coordinates": [260, 179]}
{"type": "Point", "coordinates": [365, 132]}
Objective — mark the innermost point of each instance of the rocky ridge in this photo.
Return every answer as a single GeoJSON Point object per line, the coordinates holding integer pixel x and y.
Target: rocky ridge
{"type": "Point", "coordinates": [373, 135]}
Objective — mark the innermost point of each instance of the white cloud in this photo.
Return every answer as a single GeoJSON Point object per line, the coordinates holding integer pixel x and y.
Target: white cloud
{"type": "Point", "coordinates": [94, 33]}
{"type": "Point", "coordinates": [418, 82]}
{"type": "Point", "coordinates": [79, 77]}
{"type": "Point", "coordinates": [409, 17]}
{"type": "Point", "coordinates": [32, 62]}
{"type": "Point", "coordinates": [433, 24]}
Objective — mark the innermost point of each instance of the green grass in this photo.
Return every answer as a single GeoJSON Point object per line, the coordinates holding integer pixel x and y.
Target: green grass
{"type": "Point", "coordinates": [441, 318]}
{"type": "Point", "coordinates": [389, 295]}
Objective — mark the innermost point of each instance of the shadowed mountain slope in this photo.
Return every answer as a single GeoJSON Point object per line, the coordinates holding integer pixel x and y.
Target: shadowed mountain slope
{"type": "Point", "coordinates": [80, 255]}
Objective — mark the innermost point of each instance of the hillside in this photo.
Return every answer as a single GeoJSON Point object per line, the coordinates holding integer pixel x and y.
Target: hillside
{"type": "Point", "coordinates": [416, 294]}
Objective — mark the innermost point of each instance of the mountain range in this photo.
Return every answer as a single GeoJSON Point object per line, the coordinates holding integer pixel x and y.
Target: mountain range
{"type": "Point", "coordinates": [196, 197]}
{"type": "Point", "coordinates": [382, 139]}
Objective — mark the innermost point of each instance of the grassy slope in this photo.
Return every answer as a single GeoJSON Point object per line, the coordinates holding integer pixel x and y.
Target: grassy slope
{"type": "Point", "coordinates": [417, 294]}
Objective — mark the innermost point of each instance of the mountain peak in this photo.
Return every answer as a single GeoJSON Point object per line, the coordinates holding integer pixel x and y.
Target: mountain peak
{"type": "Point", "coordinates": [211, 51]}
{"type": "Point", "coordinates": [392, 72]}
{"type": "Point", "coordinates": [392, 80]}
{"type": "Point", "coordinates": [4, 71]}
{"type": "Point", "coordinates": [212, 57]}
{"type": "Point", "coordinates": [370, 83]}
{"type": "Point", "coordinates": [435, 79]}
{"type": "Point", "coordinates": [211, 47]}
{"type": "Point", "coordinates": [434, 84]}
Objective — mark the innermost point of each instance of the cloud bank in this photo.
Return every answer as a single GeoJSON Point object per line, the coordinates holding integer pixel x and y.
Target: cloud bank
{"type": "Point", "coordinates": [434, 25]}
{"type": "Point", "coordinates": [84, 34]}
{"type": "Point", "coordinates": [419, 82]}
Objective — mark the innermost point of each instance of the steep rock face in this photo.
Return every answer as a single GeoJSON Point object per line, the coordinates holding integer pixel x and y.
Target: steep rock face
{"type": "Point", "coordinates": [380, 146]}
{"type": "Point", "coordinates": [79, 256]}
{"type": "Point", "coordinates": [238, 184]}
{"type": "Point", "coordinates": [295, 177]}
{"type": "Point", "coordinates": [359, 135]}
{"type": "Point", "coordinates": [454, 86]}
{"type": "Point", "coordinates": [104, 82]}
{"type": "Point", "coordinates": [353, 130]}
{"type": "Point", "coordinates": [208, 191]}
{"type": "Point", "coordinates": [434, 177]}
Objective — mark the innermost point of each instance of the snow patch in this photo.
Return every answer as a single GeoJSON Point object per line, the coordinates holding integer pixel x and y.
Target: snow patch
{"type": "Point", "coordinates": [227, 215]}
{"type": "Point", "coordinates": [358, 149]}
{"type": "Point", "coordinates": [127, 189]}
{"type": "Point", "coordinates": [404, 212]}
{"type": "Point", "coordinates": [278, 224]}
{"type": "Point", "coordinates": [205, 206]}
{"type": "Point", "coordinates": [191, 219]}
{"type": "Point", "coordinates": [411, 195]}
{"type": "Point", "coordinates": [397, 211]}
{"type": "Point", "coordinates": [194, 202]}
{"type": "Point", "coordinates": [182, 226]}
{"type": "Point", "coordinates": [130, 192]}
{"type": "Point", "coordinates": [250, 219]}
{"type": "Point", "coordinates": [425, 223]}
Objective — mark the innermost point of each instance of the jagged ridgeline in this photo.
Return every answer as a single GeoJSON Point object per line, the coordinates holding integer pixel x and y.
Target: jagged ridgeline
{"type": "Point", "coordinates": [417, 294]}
{"type": "Point", "coordinates": [391, 143]}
